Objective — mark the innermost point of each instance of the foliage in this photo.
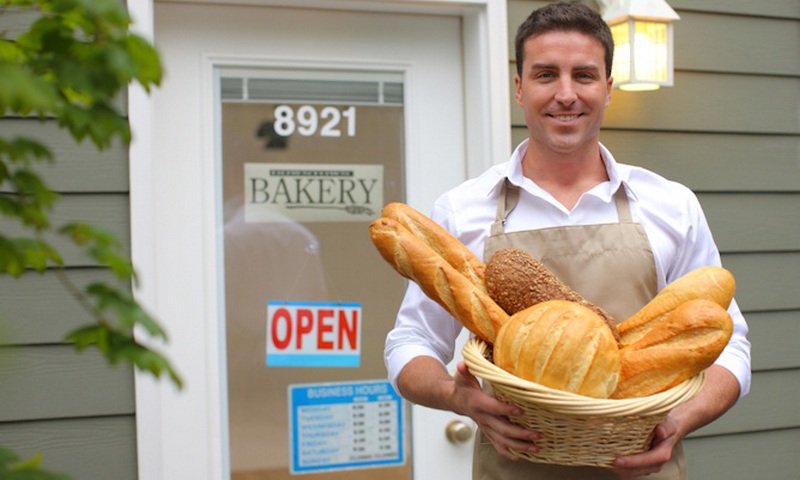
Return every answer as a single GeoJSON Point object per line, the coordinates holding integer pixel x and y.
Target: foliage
{"type": "Point", "coordinates": [71, 66]}
{"type": "Point", "coordinates": [14, 468]}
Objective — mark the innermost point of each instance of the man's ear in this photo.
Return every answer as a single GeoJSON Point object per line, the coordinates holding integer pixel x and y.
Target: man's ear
{"type": "Point", "coordinates": [518, 89]}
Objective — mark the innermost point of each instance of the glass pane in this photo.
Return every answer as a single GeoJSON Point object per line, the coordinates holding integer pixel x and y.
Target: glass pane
{"type": "Point", "coordinates": [295, 174]}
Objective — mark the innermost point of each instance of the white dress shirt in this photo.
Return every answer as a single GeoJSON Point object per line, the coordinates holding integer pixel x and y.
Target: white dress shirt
{"type": "Point", "coordinates": [669, 212]}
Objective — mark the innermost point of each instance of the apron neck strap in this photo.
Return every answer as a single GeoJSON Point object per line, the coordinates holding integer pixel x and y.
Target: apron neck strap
{"type": "Point", "coordinates": [623, 207]}
{"type": "Point", "coordinates": [509, 195]}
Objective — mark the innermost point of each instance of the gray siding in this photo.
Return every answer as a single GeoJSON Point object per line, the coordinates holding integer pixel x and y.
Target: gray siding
{"type": "Point", "coordinates": [73, 408]}
{"type": "Point", "coordinates": [730, 130]}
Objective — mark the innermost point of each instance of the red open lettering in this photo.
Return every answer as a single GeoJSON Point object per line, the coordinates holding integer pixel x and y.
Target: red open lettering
{"type": "Point", "coordinates": [324, 328]}
{"type": "Point", "coordinates": [348, 330]}
{"type": "Point", "coordinates": [281, 317]}
{"type": "Point", "coordinates": [305, 324]}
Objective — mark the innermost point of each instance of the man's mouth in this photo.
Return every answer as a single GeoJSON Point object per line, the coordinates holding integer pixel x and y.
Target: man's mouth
{"type": "Point", "coordinates": [565, 118]}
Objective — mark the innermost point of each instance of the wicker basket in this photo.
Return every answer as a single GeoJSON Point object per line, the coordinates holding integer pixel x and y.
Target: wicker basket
{"type": "Point", "coordinates": [578, 430]}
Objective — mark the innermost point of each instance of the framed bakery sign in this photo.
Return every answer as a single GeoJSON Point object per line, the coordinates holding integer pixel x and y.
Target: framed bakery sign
{"type": "Point", "coordinates": [275, 192]}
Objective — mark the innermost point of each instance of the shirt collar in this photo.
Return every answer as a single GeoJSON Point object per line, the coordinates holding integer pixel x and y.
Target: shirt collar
{"type": "Point", "coordinates": [616, 174]}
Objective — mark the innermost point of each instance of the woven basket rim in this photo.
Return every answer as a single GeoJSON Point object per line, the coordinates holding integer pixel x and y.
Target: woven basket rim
{"type": "Point", "coordinates": [474, 352]}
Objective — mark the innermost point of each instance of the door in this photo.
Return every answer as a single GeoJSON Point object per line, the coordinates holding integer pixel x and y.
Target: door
{"type": "Point", "coordinates": [251, 91]}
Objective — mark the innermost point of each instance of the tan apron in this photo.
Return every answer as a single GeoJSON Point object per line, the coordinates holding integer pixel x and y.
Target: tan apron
{"type": "Point", "coordinates": [612, 266]}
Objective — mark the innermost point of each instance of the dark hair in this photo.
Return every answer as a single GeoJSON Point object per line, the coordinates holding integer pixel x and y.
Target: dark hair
{"type": "Point", "coordinates": [565, 16]}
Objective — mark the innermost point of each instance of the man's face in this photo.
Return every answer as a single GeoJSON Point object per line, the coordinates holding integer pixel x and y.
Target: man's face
{"type": "Point", "coordinates": [564, 91]}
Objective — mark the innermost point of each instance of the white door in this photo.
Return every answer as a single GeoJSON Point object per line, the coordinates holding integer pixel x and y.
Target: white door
{"type": "Point", "coordinates": [209, 429]}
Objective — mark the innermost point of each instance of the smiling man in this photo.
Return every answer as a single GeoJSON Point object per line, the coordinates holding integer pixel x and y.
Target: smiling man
{"type": "Point", "coordinates": [615, 233]}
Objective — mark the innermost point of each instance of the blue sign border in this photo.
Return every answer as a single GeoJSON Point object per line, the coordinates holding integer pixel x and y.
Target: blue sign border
{"type": "Point", "coordinates": [342, 393]}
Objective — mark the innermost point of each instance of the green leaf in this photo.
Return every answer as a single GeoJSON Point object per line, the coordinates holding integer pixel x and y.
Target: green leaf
{"type": "Point", "coordinates": [101, 245]}
{"type": "Point", "coordinates": [7, 456]}
{"type": "Point", "coordinates": [12, 259]}
{"type": "Point", "coordinates": [23, 150]}
{"type": "Point", "coordinates": [87, 336]}
{"type": "Point", "coordinates": [20, 254]}
{"type": "Point", "coordinates": [28, 182]}
{"type": "Point", "coordinates": [118, 346]}
{"type": "Point", "coordinates": [124, 309]}
{"type": "Point", "coordinates": [112, 14]}
{"type": "Point", "coordinates": [145, 58]}
{"type": "Point", "coordinates": [13, 468]}
{"type": "Point", "coordinates": [100, 123]}
{"type": "Point", "coordinates": [9, 51]}
{"type": "Point", "coordinates": [32, 463]}
{"type": "Point", "coordinates": [24, 94]}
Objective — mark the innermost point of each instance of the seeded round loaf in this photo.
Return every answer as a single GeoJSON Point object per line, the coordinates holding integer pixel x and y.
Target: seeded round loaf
{"type": "Point", "coordinates": [515, 281]}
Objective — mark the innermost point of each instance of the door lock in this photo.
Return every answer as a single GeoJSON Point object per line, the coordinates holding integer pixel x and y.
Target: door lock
{"type": "Point", "coordinates": [458, 432]}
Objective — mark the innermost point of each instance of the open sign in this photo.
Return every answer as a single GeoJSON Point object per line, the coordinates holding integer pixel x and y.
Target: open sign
{"type": "Point", "coordinates": [313, 334]}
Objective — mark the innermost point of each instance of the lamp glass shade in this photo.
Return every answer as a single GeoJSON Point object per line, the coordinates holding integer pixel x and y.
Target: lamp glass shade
{"type": "Point", "coordinates": [642, 54]}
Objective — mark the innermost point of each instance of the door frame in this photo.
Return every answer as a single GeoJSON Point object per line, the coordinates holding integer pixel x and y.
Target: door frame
{"type": "Point", "coordinates": [487, 132]}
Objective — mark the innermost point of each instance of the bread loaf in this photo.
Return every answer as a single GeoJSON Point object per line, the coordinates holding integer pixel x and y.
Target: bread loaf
{"type": "Point", "coordinates": [561, 345]}
{"type": "Point", "coordinates": [439, 239]}
{"type": "Point", "coordinates": [711, 283]}
{"type": "Point", "coordinates": [415, 260]}
{"type": "Point", "coordinates": [684, 344]}
{"type": "Point", "coordinates": [516, 281]}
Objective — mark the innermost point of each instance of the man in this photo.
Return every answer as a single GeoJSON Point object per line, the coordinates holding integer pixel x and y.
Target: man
{"type": "Point", "coordinates": [617, 234]}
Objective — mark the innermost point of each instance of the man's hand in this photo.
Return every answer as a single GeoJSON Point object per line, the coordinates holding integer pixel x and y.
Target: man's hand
{"type": "Point", "coordinates": [425, 381]}
{"type": "Point", "coordinates": [491, 415]}
{"type": "Point", "coordinates": [651, 461]}
{"type": "Point", "coordinates": [718, 395]}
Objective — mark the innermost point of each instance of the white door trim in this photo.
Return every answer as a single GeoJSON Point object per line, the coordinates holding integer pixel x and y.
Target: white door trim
{"type": "Point", "coordinates": [488, 142]}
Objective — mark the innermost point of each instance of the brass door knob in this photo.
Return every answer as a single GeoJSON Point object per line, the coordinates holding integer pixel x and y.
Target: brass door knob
{"type": "Point", "coordinates": [458, 432]}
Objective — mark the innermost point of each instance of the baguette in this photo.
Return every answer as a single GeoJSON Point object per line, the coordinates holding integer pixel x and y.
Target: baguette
{"type": "Point", "coordinates": [516, 281]}
{"type": "Point", "coordinates": [562, 345]}
{"type": "Point", "coordinates": [415, 260]}
{"type": "Point", "coordinates": [684, 344]}
{"type": "Point", "coordinates": [440, 240]}
{"type": "Point", "coordinates": [711, 283]}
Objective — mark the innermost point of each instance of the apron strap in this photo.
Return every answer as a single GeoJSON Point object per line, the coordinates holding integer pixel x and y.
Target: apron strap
{"type": "Point", "coordinates": [623, 206]}
{"type": "Point", "coordinates": [509, 195]}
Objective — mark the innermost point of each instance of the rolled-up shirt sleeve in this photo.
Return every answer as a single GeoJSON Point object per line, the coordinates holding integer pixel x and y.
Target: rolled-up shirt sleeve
{"type": "Point", "coordinates": [736, 355]}
{"type": "Point", "coordinates": [422, 328]}
{"type": "Point", "coordinates": [699, 249]}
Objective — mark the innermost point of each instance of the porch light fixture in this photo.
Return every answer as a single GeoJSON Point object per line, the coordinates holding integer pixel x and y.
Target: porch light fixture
{"type": "Point", "coordinates": [643, 53]}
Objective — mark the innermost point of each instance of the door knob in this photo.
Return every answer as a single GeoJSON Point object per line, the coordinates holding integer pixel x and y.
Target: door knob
{"type": "Point", "coordinates": [458, 432]}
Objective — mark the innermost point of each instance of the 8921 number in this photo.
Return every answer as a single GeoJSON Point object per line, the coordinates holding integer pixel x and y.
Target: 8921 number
{"type": "Point", "coordinates": [308, 121]}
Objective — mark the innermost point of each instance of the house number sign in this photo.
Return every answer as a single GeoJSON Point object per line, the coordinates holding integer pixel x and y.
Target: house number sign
{"type": "Point", "coordinates": [308, 120]}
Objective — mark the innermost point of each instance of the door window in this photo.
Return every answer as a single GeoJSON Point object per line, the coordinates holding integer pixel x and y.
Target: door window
{"type": "Point", "coordinates": [308, 158]}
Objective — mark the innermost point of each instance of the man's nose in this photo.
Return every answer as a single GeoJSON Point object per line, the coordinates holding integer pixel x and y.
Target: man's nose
{"type": "Point", "coordinates": [566, 92]}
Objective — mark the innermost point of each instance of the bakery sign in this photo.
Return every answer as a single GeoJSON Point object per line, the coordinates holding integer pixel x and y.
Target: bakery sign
{"type": "Point", "coordinates": [279, 192]}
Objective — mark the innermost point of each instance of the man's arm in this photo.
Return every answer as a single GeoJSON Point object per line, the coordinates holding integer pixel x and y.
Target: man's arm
{"type": "Point", "coordinates": [718, 395]}
{"type": "Point", "coordinates": [425, 381]}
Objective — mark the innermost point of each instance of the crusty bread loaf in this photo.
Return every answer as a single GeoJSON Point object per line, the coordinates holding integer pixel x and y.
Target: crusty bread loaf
{"type": "Point", "coordinates": [516, 280]}
{"type": "Point", "coordinates": [684, 344]}
{"type": "Point", "coordinates": [439, 239]}
{"type": "Point", "coordinates": [415, 260]}
{"type": "Point", "coordinates": [711, 283]}
{"type": "Point", "coordinates": [561, 345]}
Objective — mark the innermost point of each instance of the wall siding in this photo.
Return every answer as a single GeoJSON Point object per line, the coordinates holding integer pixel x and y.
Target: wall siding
{"type": "Point", "coordinates": [730, 130]}
{"type": "Point", "coordinates": [87, 448]}
{"type": "Point", "coordinates": [73, 408]}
